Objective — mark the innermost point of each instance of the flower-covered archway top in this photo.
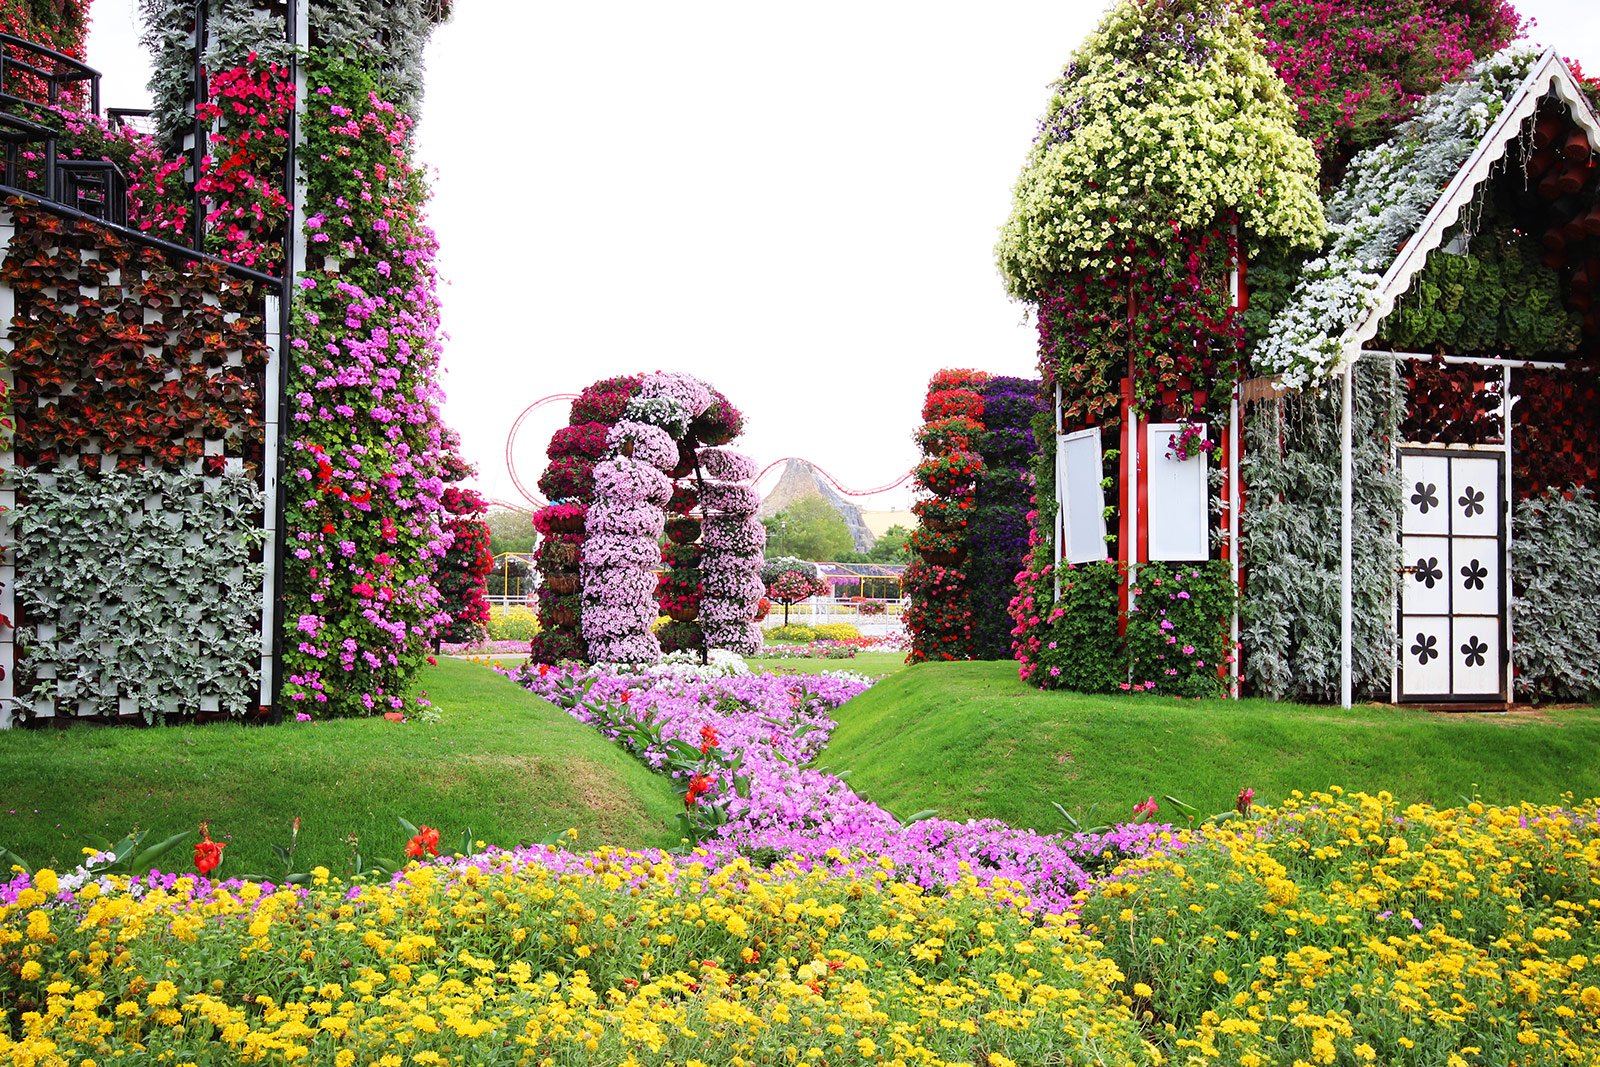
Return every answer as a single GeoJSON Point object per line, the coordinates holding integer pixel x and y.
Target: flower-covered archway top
{"type": "Point", "coordinates": [654, 441]}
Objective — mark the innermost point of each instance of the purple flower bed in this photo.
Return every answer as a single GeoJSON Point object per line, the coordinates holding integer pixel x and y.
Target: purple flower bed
{"type": "Point", "coordinates": [778, 724]}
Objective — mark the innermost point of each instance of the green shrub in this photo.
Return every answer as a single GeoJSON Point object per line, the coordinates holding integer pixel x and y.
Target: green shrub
{"type": "Point", "coordinates": [795, 631]}
{"type": "Point", "coordinates": [512, 624]}
{"type": "Point", "coordinates": [836, 631]}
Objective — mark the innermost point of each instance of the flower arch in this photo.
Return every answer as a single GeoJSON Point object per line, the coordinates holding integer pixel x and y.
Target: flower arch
{"type": "Point", "coordinates": [643, 455]}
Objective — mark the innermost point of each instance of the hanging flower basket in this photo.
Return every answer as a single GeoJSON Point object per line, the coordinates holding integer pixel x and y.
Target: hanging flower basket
{"type": "Point", "coordinates": [560, 554]}
{"type": "Point", "coordinates": [562, 582]}
{"type": "Point", "coordinates": [563, 615]}
{"type": "Point", "coordinates": [683, 530]}
{"type": "Point", "coordinates": [684, 613]}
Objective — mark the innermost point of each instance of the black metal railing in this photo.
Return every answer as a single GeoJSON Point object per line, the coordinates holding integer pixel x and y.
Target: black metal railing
{"type": "Point", "coordinates": [29, 71]}
{"type": "Point", "coordinates": [36, 79]}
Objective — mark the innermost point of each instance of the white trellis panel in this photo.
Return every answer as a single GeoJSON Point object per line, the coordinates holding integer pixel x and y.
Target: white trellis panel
{"type": "Point", "coordinates": [1081, 497]}
{"type": "Point", "coordinates": [1178, 495]}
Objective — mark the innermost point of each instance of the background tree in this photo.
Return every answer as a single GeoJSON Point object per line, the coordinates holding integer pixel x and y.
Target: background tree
{"type": "Point", "coordinates": [510, 531]}
{"type": "Point", "coordinates": [890, 548]}
{"type": "Point", "coordinates": [790, 580]}
{"type": "Point", "coordinates": [810, 528]}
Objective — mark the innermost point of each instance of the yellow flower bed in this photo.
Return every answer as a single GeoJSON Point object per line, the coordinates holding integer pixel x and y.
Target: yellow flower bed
{"type": "Point", "coordinates": [520, 965]}
{"type": "Point", "coordinates": [1334, 930]}
{"type": "Point", "coordinates": [1347, 929]}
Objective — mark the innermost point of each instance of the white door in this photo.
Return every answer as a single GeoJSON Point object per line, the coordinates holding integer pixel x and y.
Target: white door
{"type": "Point", "coordinates": [1453, 582]}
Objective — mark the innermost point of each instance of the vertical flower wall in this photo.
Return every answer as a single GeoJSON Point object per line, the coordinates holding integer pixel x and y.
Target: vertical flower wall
{"type": "Point", "coordinates": [940, 615]}
{"type": "Point", "coordinates": [1000, 506]}
{"type": "Point", "coordinates": [365, 444]}
{"type": "Point", "coordinates": [568, 483]}
{"type": "Point", "coordinates": [464, 573]}
{"type": "Point", "coordinates": [734, 540]}
{"type": "Point", "coordinates": [135, 434]}
{"type": "Point", "coordinates": [972, 534]}
{"type": "Point", "coordinates": [364, 447]}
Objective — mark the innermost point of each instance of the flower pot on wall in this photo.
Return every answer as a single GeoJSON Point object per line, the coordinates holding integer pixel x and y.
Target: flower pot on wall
{"type": "Point", "coordinates": [562, 582]}
{"type": "Point", "coordinates": [563, 616]}
{"type": "Point", "coordinates": [945, 557]}
{"type": "Point", "coordinates": [685, 614]}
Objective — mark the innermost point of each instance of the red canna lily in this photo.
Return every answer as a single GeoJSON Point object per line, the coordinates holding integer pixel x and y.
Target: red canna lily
{"type": "Point", "coordinates": [207, 853]}
{"type": "Point", "coordinates": [426, 842]}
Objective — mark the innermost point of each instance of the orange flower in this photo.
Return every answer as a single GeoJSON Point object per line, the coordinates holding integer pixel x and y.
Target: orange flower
{"type": "Point", "coordinates": [207, 853]}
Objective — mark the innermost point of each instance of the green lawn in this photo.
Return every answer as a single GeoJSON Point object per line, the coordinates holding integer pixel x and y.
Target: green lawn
{"type": "Point", "coordinates": [874, 664]}
{"type": "Point", "coordinates": [501, 761]}
{"type": "Point", "coordinates": [971, 740]}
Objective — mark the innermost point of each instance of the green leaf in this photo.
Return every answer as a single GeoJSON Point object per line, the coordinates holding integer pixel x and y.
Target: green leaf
{"type": "Point", "coordinates": [10, 859]}
{"type": "Point", "coordinates": [148, 857]}
{"type": "Point", "coordinates": [411, 831]}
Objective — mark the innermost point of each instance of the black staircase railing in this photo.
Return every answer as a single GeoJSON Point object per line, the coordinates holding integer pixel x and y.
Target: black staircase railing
{"type": "Point", "coordinates": [29, 70]}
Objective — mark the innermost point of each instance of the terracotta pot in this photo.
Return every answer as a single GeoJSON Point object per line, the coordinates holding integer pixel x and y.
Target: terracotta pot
{"type": "Point", "coordinates": [562, 582]}
{"type": "Point", "coordinates": [1577, 147]}
{"type": "Point", "coordinates": [688, 614]}
{"type": "Point", "coordinates": [1547, 129]}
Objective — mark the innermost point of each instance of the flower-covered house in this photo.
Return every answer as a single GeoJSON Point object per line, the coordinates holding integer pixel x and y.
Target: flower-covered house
{"type": "Point", "coordinates": [1323, 418]}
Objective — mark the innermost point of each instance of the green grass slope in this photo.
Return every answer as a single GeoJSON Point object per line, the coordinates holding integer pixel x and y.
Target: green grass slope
{"type": "Point", "coordinates": [512, 767]}
{"type": "Point", "coordinates": [972, 740]}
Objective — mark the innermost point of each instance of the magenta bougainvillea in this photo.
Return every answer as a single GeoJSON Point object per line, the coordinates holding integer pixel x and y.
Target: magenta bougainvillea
{"type": "Point", "coordinates": [365, 444]}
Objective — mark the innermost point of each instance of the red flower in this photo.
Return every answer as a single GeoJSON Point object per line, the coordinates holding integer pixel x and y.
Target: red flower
{"type": "Point", "coordinates": [1247, 797]}
{"type": "Point", "coordinates": [698, 785]}
{"type": "Point", "coordinates": [426, 841]}
{"type": "Point", "coordinates": [708, 739]}
{"type": "Point", "coordinates": [207, 853]}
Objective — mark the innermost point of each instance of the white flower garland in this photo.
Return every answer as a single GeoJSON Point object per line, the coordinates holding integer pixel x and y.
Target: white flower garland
{"type": "Point", "coordinates": [1386, 194]}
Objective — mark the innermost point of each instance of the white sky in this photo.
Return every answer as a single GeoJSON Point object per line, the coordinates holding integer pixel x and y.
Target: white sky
{"type": "Point", "coordinates": [796, 203]}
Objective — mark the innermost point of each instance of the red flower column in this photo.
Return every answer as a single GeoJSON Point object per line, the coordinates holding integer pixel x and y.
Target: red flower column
{"type": "Point", "coordinates": [940, 616]}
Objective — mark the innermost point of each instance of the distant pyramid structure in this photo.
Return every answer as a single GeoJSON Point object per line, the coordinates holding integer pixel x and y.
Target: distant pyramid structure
{"type": "Point", "coordinates": [799, 481]}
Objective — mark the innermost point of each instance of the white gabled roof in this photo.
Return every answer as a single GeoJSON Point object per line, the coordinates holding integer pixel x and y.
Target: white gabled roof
{"type": "Point", "coordinates": [1549, 76]}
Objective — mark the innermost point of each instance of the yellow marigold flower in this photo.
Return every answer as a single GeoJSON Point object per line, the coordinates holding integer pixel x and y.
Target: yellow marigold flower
{"type": "Point", "coordinates": [1220, 977]}
{"type": "Point", "coordinates": [45, 880]}
{"type": "Point", "coordinates": [1590, 998]}
{"type": "Point", "coordinates": [1142, 990]}
{"type": "Point", "coordinates": [31, 971]}
{"type": "Point", "coordinates": [344, 1058]}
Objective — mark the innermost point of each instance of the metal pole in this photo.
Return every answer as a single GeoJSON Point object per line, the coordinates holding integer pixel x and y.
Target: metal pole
{"type": "Point", "coordinates": [293, 262]}
{"type": "Point", "coordinates": [1060, 523]}
{"type": "Point", "coordinates": [1507, 502]}
{"type": "Point", "coordinates": [1234, 437]}
{"type": "Point", "coordinates": [1346, 566]}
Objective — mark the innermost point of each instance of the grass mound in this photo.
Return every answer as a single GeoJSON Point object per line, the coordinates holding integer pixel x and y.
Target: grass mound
{"type": "Point", "coordinates": [972, 740]}
{"type": "Point", "coordinates": [509, 765]}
